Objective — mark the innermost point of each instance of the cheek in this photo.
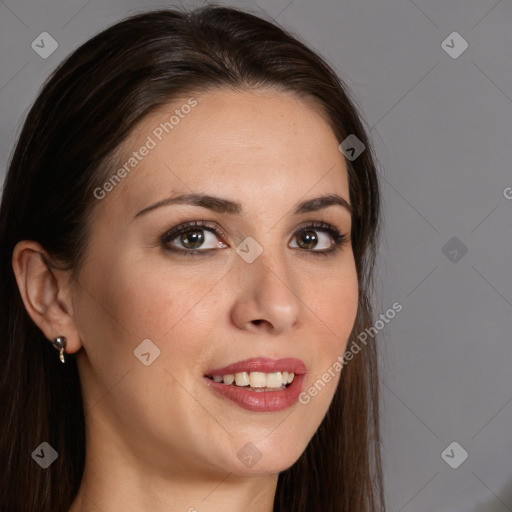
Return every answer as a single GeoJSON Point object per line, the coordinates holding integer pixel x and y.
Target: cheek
{"type": "Point", "coordinates": [120, 306]}
{"type": "Point", "coordinates": [335, 303]}
{"type": "Point", "coordinates": [334, 307]}
{"type": "Point", "coordinates": [148, 299]}
{"type": "Point", "coordinates": [174, 307]}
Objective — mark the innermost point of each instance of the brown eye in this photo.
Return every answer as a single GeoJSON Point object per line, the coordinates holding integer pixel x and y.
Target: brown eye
{"type": "Point", "coordinates": [199, 237]}
{"type": "Point", "coordinates": [192, 239]}
{"type": "Point", "coordinates": [319, 238]}
{"type": "Point", "coordinates": [307, 239]}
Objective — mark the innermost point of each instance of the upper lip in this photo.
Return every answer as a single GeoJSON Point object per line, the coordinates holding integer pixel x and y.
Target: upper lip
{"type": "Point", "coordinates": [262, 364]}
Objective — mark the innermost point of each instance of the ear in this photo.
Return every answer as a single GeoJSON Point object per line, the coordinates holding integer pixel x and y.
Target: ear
{"type": "Point", "coordinates": [46, 293]}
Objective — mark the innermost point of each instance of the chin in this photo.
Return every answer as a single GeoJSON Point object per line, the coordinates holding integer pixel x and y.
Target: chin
{"type": "Point", "coordinates": [261, 468]}
{"type": "Point", "coordinates": [250, 460]}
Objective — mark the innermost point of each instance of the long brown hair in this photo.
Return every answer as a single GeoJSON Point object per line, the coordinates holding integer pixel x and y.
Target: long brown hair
{"type": "Point", "coordinates": [86, 109]}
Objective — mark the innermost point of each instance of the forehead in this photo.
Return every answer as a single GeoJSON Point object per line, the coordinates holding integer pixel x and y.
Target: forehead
{"type": "Point", "coordinates": [263, 144]}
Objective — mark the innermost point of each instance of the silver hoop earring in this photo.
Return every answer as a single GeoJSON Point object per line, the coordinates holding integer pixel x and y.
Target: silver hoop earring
{"type": "Point", "coordinates": [60, 344]}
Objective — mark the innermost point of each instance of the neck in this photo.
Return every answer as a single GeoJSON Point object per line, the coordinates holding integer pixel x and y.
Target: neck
{"type": "Point", "coordinates": [117, 478]}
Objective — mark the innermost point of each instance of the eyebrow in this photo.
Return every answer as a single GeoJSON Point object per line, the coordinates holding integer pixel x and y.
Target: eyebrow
{"type": "Point", "coordinates": [221, 205]}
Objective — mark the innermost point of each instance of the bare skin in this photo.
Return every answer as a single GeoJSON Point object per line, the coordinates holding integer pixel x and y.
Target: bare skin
{"type": "Point", "coordinates": [158, 438]}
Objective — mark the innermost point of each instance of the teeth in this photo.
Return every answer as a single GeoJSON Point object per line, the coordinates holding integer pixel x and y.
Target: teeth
{"type": "Point", "coordinates": [257, 380]}
{"type": "Point", "coordinates": [228, 379]}
{"type": "Point", "coordinates": [272, 380]}
{"type": "Point", "coordinates": [275, 380]}
{"type": "Point", "coordinates": [242, 379]}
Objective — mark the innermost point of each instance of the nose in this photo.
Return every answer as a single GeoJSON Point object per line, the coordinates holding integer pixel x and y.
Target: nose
{"type": "Point", "coordinates": [267, 297]}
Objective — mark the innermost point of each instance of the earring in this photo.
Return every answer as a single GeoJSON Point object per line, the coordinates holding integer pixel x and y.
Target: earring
{"type": "Point", "coordinates": [60, 344]}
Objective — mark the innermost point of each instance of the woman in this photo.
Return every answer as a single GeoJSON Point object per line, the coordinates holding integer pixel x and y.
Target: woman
{"type": "Point", "coordinates": [190, 218]}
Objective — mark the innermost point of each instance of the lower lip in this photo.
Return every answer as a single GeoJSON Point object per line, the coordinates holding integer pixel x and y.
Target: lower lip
{"type": "Point", "coordinates": [264, 401]}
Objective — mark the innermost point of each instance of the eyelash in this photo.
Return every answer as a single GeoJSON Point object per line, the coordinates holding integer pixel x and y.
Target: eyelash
{"type": "Point", "coordinates": [339, 239]}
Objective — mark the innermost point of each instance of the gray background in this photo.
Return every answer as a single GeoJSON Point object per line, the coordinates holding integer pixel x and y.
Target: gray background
{"type": "Point", "coordinates": [442, 130]}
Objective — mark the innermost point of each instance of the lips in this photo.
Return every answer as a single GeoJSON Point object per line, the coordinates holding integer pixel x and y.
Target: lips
{"type": "Point", "coordinates": [262, 364]}
{"type": "Point", "coordinates": [266, 400]}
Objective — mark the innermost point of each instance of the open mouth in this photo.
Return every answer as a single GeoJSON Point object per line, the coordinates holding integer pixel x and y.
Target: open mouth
{"type": "Point", "coordinates": [256, 381]}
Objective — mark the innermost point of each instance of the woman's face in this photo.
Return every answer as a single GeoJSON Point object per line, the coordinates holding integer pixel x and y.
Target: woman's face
{"type": "Point", "coordinates": [156, 322]}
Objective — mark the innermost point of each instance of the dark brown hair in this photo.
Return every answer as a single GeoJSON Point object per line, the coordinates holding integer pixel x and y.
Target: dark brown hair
{"type": "Point", "coordinates": [87, 108]}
